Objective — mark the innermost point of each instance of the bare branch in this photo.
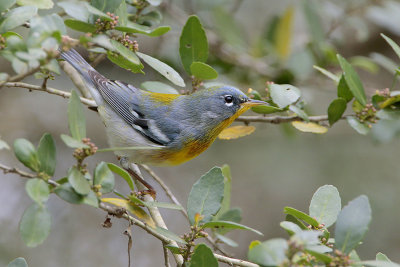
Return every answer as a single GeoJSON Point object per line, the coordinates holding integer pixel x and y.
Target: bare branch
{"type": "Point", "coordinates": [49, 90]}
{"type": "Point", "coordinates": [166, 258]}
{"type": "Point", "coordinates": [23, 174]}
{"type": "Point", "coordinates": [283, 119]}
{"type": "Point", "coordinates": [235, 262]}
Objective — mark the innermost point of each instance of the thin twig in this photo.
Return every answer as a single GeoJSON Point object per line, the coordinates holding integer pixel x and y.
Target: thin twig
{"type": "Point", "coordinates": [164, 187]}
{"type": "Point", "coordinates": [23, 174]}
{"type": "Point", "coordinates": [166, 258]}
{"type": "Point", "coordinates": [49, 90]}
{"type": "Point", "coordinates": [98, 59]}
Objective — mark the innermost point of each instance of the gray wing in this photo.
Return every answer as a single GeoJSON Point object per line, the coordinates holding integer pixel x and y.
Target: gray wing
{"type": "Point", "coordinates": [124, 99]}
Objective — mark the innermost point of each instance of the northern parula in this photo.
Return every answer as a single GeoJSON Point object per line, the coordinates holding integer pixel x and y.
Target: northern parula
{"type": "Point", "coordinates": [180, 126]}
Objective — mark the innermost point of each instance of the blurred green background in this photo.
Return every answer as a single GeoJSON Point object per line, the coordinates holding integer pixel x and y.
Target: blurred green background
{"type": "Point", "coordinates": [272, 168]}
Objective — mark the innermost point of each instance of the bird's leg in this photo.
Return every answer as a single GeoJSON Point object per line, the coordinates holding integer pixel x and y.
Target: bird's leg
{"type": "Point", "coordinates": [135, 175]}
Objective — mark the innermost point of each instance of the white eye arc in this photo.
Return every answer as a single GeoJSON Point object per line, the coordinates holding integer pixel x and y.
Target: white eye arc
{"type": "Point", "coordinates": [228, 100]}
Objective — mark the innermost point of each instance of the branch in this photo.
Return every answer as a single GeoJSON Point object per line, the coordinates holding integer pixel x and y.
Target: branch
{"type": "Point", "coordinates": [283, 119]}
{"type": "Point", "coordinates": [19, 77]}
{"type": "Point", "coordinates": [166, 259]}
{"type": "Point", "coordinates": [49, 90]}
{"type": "Point", "coordinates": [23, 174]}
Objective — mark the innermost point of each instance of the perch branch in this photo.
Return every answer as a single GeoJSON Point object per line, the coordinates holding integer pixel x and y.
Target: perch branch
{"type": "Point", "coordinates": [75, 78]}
{"type": "Point", "coordinates": [23, 174]}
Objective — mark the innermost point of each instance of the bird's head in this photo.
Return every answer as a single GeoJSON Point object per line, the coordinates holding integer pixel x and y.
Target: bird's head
{"type": "Point", "coordinates": [226, 102]}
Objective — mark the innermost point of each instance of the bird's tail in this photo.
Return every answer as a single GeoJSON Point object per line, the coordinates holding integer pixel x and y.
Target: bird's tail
{"type": "Point", "coordinates": [84, 68]}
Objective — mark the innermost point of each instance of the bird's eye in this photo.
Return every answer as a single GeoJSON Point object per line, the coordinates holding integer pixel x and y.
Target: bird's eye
{"type": "Point", "coordinates": [228, 99]}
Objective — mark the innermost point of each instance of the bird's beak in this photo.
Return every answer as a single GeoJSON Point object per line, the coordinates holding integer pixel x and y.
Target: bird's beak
{"type": "Point", "coordinates": [253, 102]}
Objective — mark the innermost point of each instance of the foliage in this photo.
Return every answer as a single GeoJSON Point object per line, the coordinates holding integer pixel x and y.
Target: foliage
{"type": "Point", "coordinates": [110, 29]}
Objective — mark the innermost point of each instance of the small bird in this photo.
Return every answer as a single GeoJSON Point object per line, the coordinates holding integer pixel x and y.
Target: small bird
{"type": "Point", "coordinates": [179, 127]}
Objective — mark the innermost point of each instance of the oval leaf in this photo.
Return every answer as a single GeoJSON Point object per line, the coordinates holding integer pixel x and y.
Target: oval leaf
{"type": "Point", "coordinates": [35, 225]}
{"type": "Point", "coordinates": [229, 225]}
{"type": "Point", "coordinates": [136, 28]}
{"type": "Point", "coordinates": [203, 257]}
{"type": "Point", "coordinates": [104, 177]}
{"type": "Point", "coordinates": [284, 94]}
{"type": "Point", "coordinates": [163, 69]}
{"type": "Point", "coordinates": [325, 205]}
{"type": "Point", "coordinates": [78, 181]}
{"type": "Point", "coordinates": [343, 90]}
{"type": "Point", "coordinates": [236, 132]}
{"type": "Point", "coordinates": [309, 127]}
{"type": "Point", "coordinates": [6, 4]}
{"type": "Point", "coordinates": [361, 128]}
{"type": "Point", "coordinates": [80, 26]}
{"type": "Point", "coordinates": [206, 196]}
{"type": "Point", "coordinates": [193, 45]}
{"type": "Point", "coordinates": [268, 253]}
{"type": "Point", "coordinates": [42, 4]}
{"type": "Point", "coordinates": [71, 142]}
{"type": "Point", "coordinates": [284, 33]}
{"type": "Point", "coordinates": [46, 152]}
{"type": "Point", "coordinates": [75, 10]}
{"type": "Point", "coordinates": [159, 87]}
{"type": "Point", "coordinates": [26, 154]}
{"type": "Point", "coordinates": [203, 71]}
{"type": "Point", "coordinates": [290, 227]}
{"type": "Point", "coordinates": [67, 193]}
{"type": "Point", "coordinates": [37, 190]}
{"type": "Point", "coordinates": [301, 215]}
{"type": "Point", "coordinates": [336, 110]}
{"type": "Point", "coordinates": [353, 80]}
{"type": "Point", "coordinates": [76, 117]}
{"type": "Point", "coordinates": [352, 224]}
{"type": "Point", "coordinates": [18, 262]}
{"type": "Point", "coordinates": [16, 17]}
{"type": "Point", "coordinates": [123, 173]}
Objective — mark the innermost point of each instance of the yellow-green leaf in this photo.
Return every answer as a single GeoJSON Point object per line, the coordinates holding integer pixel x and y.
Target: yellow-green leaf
{"type": "Point", "coordinates": [284, 33]}
{"type": "Point", "coordinates": [236, 132]}
{"type": "Point", "coordinates": [309, 127]}
{"type": "Point", "coordinates": [254, 243]}
{"type": "Point", "coordinates": [132, 208]}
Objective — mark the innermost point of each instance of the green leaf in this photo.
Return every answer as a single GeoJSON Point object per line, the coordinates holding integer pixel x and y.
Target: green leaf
{"type": "Point", "coordinates": [290, 227]}
{"type": "Point", "coordinates": [336, 109]}
{"type": "Point", "coordinates": [6, 4]}
{"type": "Point", "coordinates": [18, 262]}
{"type": "Point", "coordinates": [232, 215]}
{"type": "Point", "coordinates": [163, 69]}
{"type": "Point", "coordinates": [269, 253]}
{"type": "Point", "coordinates": [284, 33]}
{"type": "Point", "coordinates": [16, 17]}
{"type": "Point", "coordinates": [364, 63]}
{"type": "Point", "coordinates": [76, 117]}
{"type": "Point", "coordinates": [382, 257]}
{"type": "Point", "coordinates": [226, 201]}
{"type": "Point", "coordinates": [78, 181]}
{"type": "Point", "coordinates": [106, 5]}
{"type": "Point", "coordinates": [125, 52]}
{"type": "Point", "coordinates": [97, 12]}
{"type": "Point", "coordinates": [193, 45]}
{"type": "Point", "coordinates": [158, 87]}
{"type": "Point", "coordinates": [4, 145]}
{"type": "Point", "coordinates": [380, 264]}
{"type": "Point", "coordinates": [122, 13]}
{"type": "Point", "coordinates": [203, 71]}
{"type": "Point", "coordinates": [169, 234]}
{"type": "Point", "coordinates": [229, 225]}
{"type": "Point", "coordinates": [164, 205]}
{"type": "Point", "coordinates": [46, 152]}
{"type": "Point", "coordinates": [353, 80]}
{"type": "Point", "coordinates": [361, 128]}
{"type": "Point", "coordinates": [35, 225]}
{"type": "Point", "coordinates": [291, 218]}
{"type": "Point", "coordinates": [104, 177]}
{"type": "Point", "coordinates": [67, 193]}
{"type": "Point", "coordinates": [394, 46]}
{"type": "Point", "coordinates": [264, 109]}
{"type": "Point", "coordinates": [203, 257]}
{"type": "Point", "coordinates": [37, 190]}
{"type": "Point", "coordinates": [284, 94]}
{"type": "Point", "coordinates": [136, 28]}
{"type": "Point", "coordinates": [352, 224]}
{"type": "Point", "coordinates": [123, 173]}
{"type": "Point", "coordinates": [327, 73]}
{"type": "Point", "coordinates": [124, 63]}
{"type": "Point", "coordinates": [301, 215]}
{"type": "Point", "coordinates": [226, 240]}
{"type": "Point", "coordinates": [26, 154]}
{"type": "Point", "coordinates": [206, 196]}
{"type": "Point", "coordinates": [343, 90]}
{"type": "Point", "coordinates": [299, 112]}
{"type": "Point", "coordinates": [41, 4]}
{"type": "Point", "coordinates": [173, 249]}
{"type": "Point", "coordinates": [80, 26]}
{"type": "Point", "coordinates": [71, 142]}
{"type": "Point", "coordinates": [325, 205]}
{"type": "Point", "coordinates": [91, 199]}
{"type": "Point", "coordinates": [75, 10]}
